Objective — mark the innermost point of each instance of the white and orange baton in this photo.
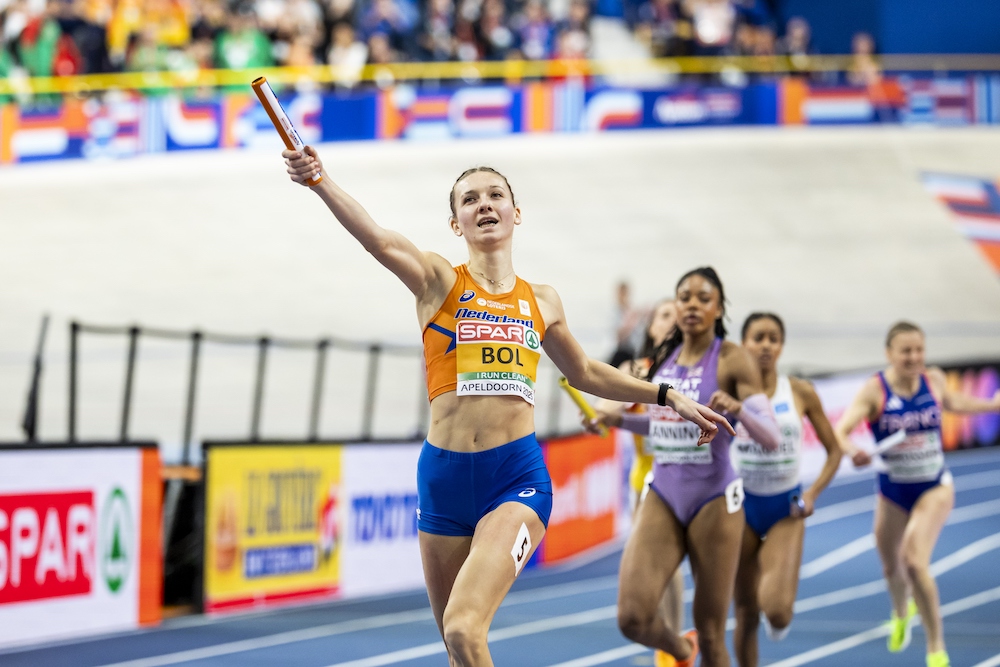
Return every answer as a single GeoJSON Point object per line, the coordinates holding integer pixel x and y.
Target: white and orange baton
{"type": "Point", "coordinates": [582, 404]}
{"type": "Point", "coordinates": [282, 124]}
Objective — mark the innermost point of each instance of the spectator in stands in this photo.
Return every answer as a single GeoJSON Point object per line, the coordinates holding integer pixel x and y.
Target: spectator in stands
{"type": "Point", "coordinates": [864, 70]}
{"type": "Point", "coordinates": [37, 44]}
{"type": "Point", "coordinates": [437, 31]}
{"type": "Point", "coordinates": [340, 10]}
{"type": "Point", "coordinates": [629, 323]}
{"type": "Point", "coordinates": [496, 41]}
{"type": "Point", "coordinates": [534, 30]}
{"type": "Point", "coordinates": [242, 44]}
{"type": "Point", "coordinates": [144, 52]}
{"type": "Point", "coordinates": [573, 33]}
{"type": "Point", "coordinates": [208, 20]}
{"type": "Point", "coordinates": [797, 45]}
{"type": "Point", "coordinates": [380, 51]}
{"type": "Point", "coordinates": [466, 44]}
{"type": "Point", "coordinates": [387, 18]}
{"type": "Point", "coordinates": [663, 28]}
{"type": "Point", "coordinates": [744, 40]}
{"type": "Point", "coordinates": [86, 51]}
{"type": "Point", "coordinates": [714, 22]}
{"type": "Point", "coordinates": [302, 50]}
{"type": "Point", "coordinates": [347, 54]}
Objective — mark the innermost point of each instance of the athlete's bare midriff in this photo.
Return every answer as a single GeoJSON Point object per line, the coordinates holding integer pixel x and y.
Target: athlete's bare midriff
{"type": "Point", "coordinates": [475, 423]}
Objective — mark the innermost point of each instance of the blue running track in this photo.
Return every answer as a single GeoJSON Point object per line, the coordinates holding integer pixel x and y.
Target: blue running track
{"type": "Point", "coordinates": [565, 617]}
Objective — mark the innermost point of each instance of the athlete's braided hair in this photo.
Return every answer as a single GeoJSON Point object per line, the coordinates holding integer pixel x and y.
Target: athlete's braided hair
{"type": "Point", "coordinates": [676, 337]}
{"type": "Point", "coordinates": [451, 195]}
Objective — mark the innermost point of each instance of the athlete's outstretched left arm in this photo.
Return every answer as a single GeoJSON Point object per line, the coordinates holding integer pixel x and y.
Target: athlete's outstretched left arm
{"type": "Point", "coordinates": [600, 379]}
{"type": "Point", "coordinates": [813, 409]}
{"type": "Point", "coordinates": [956, 401]}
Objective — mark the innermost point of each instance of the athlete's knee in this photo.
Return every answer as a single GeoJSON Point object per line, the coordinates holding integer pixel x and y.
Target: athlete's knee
{"type": "Point", "coordinates": [779, 617]}
{"type": "Point", "coordinates": [465, 638]}
{"type": "Point", "coordinates": [635, 622]}
{"type": "Point", "coordinates": [712, 643]}
{"type": "Point", "coordinates": [892, 566]}
{"type": "Point", "coordinates": [748, 613]}
{"type": "Point", "coordinates": [915, 563]}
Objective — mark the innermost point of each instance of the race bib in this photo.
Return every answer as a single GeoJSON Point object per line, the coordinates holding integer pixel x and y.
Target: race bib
{"type": "Point", "coordinates": [734, 495]}
{"type": "Point", "coordinates": [918, 459]}
{"type": "Point", "coordinates": [497, 359]}
{"type": "Point", "coordinates": [673, 439]}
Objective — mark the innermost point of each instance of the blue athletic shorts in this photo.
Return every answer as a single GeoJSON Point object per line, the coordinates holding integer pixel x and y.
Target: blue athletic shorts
{"type": "Point", "coordinates": [763, 512]}
{"type": "Point", "coordinates": [906, 494]}
{"type": "Point", "coordinates": [457, 489]}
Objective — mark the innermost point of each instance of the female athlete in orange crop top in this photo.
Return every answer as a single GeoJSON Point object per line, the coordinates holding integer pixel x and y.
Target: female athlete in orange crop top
{"type": "Point", "coordinates": [482, 495]}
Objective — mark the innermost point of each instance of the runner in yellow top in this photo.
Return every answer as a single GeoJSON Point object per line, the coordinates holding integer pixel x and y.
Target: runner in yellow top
{"type": "Point", "coordinates": [483, 492]}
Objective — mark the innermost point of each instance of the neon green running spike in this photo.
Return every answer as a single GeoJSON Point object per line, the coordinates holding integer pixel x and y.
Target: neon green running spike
{"type": "Point", "coordinates": [899, 630]}
{"type": "Point", "coordinates": [938, 659]}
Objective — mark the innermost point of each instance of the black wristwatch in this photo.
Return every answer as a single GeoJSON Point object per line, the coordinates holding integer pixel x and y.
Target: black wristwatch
{"type": "Point", "coordinates": [661, 398]}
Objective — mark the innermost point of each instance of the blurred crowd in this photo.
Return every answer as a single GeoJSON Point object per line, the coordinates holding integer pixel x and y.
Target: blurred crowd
{"type": "Point", "coordinates": [66, 37]}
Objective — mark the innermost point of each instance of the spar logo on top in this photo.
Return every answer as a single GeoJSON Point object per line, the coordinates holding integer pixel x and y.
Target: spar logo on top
{"type": "Point", "coordinates": [79, 542]}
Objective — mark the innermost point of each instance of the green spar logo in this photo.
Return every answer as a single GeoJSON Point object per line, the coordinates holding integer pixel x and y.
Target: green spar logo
{"type": "Point", "coordinates": [531, 338]}
{"type": "Point", "coordinates": [117, 532]}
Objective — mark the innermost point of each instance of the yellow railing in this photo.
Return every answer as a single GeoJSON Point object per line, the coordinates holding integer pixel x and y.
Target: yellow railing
{"type": "Point", "coordinates": [510, 71]}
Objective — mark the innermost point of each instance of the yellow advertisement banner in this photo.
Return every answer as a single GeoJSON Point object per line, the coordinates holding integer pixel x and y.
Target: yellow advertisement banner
{"type": "Point", "coordinates": [271, 524]}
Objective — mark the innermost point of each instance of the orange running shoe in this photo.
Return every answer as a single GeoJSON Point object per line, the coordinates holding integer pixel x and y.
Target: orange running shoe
{"type": "Point", "coordinates": [664, 659]}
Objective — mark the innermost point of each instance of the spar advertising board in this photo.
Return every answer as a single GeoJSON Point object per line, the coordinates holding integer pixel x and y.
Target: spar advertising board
{"type": "Point", "coordinates": [79, 541]}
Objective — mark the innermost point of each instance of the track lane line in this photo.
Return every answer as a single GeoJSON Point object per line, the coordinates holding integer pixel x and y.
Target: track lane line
{"type": "Point", "coordinates": [356, 625]}
{"type": "Point", "coordinates": [530, 628]}
{"type": "Point", "coordinates": [847, 643]}
{"type": "Point", "coordinates": [866, 543]}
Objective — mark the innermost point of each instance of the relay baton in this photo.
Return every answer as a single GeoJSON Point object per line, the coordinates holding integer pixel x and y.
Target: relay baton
{"type": "Point", "coordinates": [885, 444]}
{"type": "Point", "coordinates": [282, 124]}
{"type": "Point", "coordinates": [581, 402]}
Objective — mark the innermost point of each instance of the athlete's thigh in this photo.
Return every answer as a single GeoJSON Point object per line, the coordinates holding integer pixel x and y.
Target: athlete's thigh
{"type": "Point", "coordinates": [503, 542]}
{"type": "Point", "coordinates": [890, 524]}
{"type": "Point", "coordinates": [748, 573]}
{"type": "Point", "coordinates": [714, 539]}
{"type": "Point", "coordinates": [781, 556]}
{"type": "Point", "coordinates": [442, 556]}
{"type": "Point", "coordinates": [653, 552]}
{"type": "Point", "coordinates": [927, 518]}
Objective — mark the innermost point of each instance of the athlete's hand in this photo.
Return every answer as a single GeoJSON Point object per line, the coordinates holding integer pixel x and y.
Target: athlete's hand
{"type": "Point", "coordinates": [703, 416]}
{"type": "Point", "coordinates": [861, 458]}
{"type": "Point", "coordinates": [603, 418]}
{"type": "Point", "coordinates": [303, 165]}
{"type": "Point", "coordinates": [805, 507]}
{"type": "Point", "coordinates": [723, 402]}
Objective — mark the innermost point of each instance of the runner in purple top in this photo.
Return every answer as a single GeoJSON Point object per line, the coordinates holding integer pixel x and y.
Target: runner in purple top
{"type": "Point", "coordinates": [696, 508]}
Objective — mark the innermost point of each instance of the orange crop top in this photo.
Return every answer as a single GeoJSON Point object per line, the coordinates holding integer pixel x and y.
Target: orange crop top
{"type": "Point", "coordinates": [481, 344]}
